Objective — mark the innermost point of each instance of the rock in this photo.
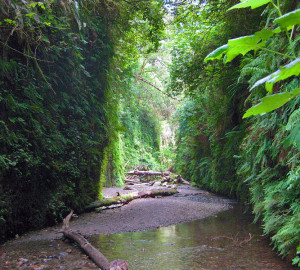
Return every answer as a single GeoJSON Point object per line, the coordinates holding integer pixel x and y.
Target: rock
{"type": "Point", "coordinates": [23, 260]}
{"type": "Point", "coordinates": [118, 265]}
{"type": "Point", "coordinates": [156, 184]}
{"type": "Point", "coordinates": [63, 254]}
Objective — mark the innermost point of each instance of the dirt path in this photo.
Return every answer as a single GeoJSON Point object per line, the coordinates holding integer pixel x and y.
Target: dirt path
{"type": "Point", "coordinates": [44, 249]}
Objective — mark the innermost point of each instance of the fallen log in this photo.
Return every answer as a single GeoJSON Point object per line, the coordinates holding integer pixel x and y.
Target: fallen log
{"type": "Point", "coordinates": [167, 180]}
{"type": "Point", "coordinates": [185, 182]}
{"type": "Point", "coordinates": [124, 199]}
{"type": "Point", "coordinates": [96, 256]}
{"type": "Point", "coordinates": [171, 169]}
{"type": "Point", "coordinates": [156, 192]}
{"type": "Point", "coordinates": [146, 173]}
{"type": "Point", "coordinates": [181, 180]}
{"type": "Point", "coordinates": [132, 179]}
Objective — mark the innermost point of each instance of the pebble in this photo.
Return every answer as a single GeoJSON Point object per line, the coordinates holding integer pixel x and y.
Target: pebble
{"type": "Point", "coordinates": [63, 254]}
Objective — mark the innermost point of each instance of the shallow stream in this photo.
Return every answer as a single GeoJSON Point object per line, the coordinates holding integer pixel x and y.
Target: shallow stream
{"type": "Point", "coordinates": [226, 241]}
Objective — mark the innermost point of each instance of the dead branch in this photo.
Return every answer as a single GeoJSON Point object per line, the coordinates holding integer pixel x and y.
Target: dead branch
{"type": "Point", "coordinates": [96, 256]}
{"type": "Point", "coordinates": [139, 77]}
{"type": "Point", "coordinates": [126, 164]}
{"type": "Point", "coordinates": [246, 240]}
{"type": "Point", "coordinates": [236, 241]}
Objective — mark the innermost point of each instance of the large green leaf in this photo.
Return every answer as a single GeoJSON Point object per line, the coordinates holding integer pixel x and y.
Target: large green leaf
{"type": "Point", "coordinates": [217, 53]}
{"type": "Point", "coordinates": [272, 102]}
{"type": "Point", "coordinates": [289, 19]}
{"type": "Point", "coordinates": [279, 30]}
{"type": "Point", "coordinates": [264, 34]}
{"type": "Point", "coordinates": [291, 69]}
{"type": "Point", "coordinates": [251, 3]}
{"type": "Point", "coordinates": [240, 45]}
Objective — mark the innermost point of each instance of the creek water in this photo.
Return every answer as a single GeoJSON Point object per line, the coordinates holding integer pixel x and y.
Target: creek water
{"type": "Point", "coordinates": [228, 240]}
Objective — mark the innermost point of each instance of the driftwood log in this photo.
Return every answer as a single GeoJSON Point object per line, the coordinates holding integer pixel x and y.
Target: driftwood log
{"type": "Point", "coordinates": [129, 197]}
{"type": "Point", "coordinates": [181, 180]}
{"type": "Point", "coordinates": [146, 173]}
{"type": "Point", "coordinates": [165, 177]}
{"type": "Point", "coordinates": [96, 256]}
{"type": "Point", "coordinates": [177, 180]}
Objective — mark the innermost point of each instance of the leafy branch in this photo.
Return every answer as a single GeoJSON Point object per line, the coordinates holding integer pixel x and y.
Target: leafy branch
{"type": "Point", "coordinates": [258, 41]}
{"type": "Point", "coordinates": [151, 84]}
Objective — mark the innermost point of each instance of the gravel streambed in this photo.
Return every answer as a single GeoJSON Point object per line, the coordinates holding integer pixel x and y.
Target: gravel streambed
{"type": "Point", "coordinates": [44, 249]}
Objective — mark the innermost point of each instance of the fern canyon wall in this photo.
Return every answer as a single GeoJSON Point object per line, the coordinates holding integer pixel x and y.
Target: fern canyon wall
{"type": "Point", "coordinates": [252, 156]}
{"type": "Point", "coordinates": [61, 84]}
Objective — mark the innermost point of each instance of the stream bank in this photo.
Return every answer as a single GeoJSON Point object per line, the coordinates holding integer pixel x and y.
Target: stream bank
{"type": "Point", "coordinates": [45, 249]}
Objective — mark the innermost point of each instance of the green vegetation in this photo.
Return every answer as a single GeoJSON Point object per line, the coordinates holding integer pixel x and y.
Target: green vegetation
{"type": "Point", "coordinates": [145, 113]}
{"type": "Point", "coordinates": [59, 111]}
{"type": "Point", "coordinates": [92, 88]}
{"type": "Point", "coordinates": [219, 146]}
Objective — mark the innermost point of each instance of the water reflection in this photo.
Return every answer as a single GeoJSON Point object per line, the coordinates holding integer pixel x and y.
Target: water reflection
{"type": "Point", "coordinates": [219, 242]}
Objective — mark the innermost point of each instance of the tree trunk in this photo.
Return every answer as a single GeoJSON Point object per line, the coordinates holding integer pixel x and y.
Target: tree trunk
{"type": "Point", "coordinates": [146, 173]}
{"type": "Point", "coordinates": [128, 198]}
{"type": "Point", "coordinates": [96, 256]}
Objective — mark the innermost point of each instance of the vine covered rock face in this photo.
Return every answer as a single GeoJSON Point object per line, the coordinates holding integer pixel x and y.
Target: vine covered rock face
{"type": "Point", "coordinates": [52, 115]}
{"type": "Point", "coordinates": [57, 113]}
